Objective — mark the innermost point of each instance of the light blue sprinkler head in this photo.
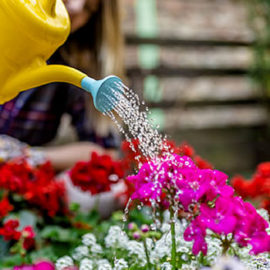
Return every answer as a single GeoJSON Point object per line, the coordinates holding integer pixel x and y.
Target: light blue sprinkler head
{"type": "Point", "coordinates": [105, 92]}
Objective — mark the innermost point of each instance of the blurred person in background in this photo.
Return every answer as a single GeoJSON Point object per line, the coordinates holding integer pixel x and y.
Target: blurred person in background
{"type": "Point", "coordinates": [95, 46]}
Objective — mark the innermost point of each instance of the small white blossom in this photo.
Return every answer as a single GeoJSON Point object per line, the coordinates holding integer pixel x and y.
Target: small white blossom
{"type": "Point", "coordinates": [86, 264]}
{"type": "Point", "coordinates": [63, 262]}
{"type": "Point", "coordinates": [89, 239]}
{"type": "Point", "coordinates": [116, 238]}
{"type": "Point", "coordinates": [120, 264]}
{"type": "Point", "coordinates": [96, 249]}
{"type": "Point", "coordinates": [80, 252]}
{"type": "Point", "coordinates": [166, 266]}
{"type": "Point", "coordinates": [228, 263]}
{"type": "Point", "coordinates": [162, 247]}
{"type": "Point", "coordinates": [188, 267]}
{"type": "Point", "coordinates": [103, 265]}
{"type": "Point", "coordinates": [137, 248]}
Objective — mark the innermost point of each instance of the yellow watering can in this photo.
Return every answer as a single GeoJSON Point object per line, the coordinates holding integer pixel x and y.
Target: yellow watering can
{"type": "Point", "coordinates": [31, 31]}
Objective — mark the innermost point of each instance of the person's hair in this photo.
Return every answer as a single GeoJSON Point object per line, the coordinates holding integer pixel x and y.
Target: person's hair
{"type": "Point", "coordinates": [97, 49]}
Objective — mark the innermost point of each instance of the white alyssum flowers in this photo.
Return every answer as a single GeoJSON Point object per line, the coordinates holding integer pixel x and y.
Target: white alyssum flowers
{"type": "Point", "coordinates": [80, 252]}
{"type": "Point", "coordinates": [86, 264]}
{"type": "Point", "coordinates": [117, 238]}
{"type": "Point", "coordinates": [91, 255]}
{"type": "Point", "coordinates": [63, 262]}
{"type": "Point", "coordinates": [120, 264]}
{"type": "Point", "coordinates": [89, 239]}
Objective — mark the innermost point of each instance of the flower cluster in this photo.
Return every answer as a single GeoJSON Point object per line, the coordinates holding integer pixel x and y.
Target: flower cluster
{"type": "Point", "coordinates": [26, 236]}
{"type": "Point", "coordinates": [177, 183]}
{"type": "Point", "coordinates": [36, 185]}
{"type": "Point", "coordinates": [256, 188]}
{"type": "Point", "coordinates": [89, 256]}
{"type": "Point", "coordinates": [98, 174]}
{"type": "Point", "coordinates": [120, 251]}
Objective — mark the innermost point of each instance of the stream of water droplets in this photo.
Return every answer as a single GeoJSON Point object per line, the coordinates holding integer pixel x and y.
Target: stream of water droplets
{"type": "Point", "coordinates": [129, 108]}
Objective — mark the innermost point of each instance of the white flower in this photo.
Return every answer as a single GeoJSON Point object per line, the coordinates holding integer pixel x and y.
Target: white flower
{"type": "Point", "coordinates": [162, 247]}
{"type": "Point", "coordinates": [228, 263]}
{"type": "Point", "coordinates": [103, 265]}
{"type": "Point", "coordinates": [137, 248]}
{"type": "Point", "coordinates": [63, 262]}
{"type": "Point", "coordinates": [166, 266]}
{"type": "Point", "coordinates": [89, 239]}
{"type": "Point", "coordinates": [80, 252]}
{"type": "Point", "coordinates": [116, 238]}
{"type": "Point", "coordinates": [86, 264]}
{"type": "Point", "coordinates": [188, 267]}
{"type": "Point", "coordinates": [96, 248]}
{"type": "Point", "coordinates": [263, 213]}
{"type": "Point", "coordinates": [120, 264]}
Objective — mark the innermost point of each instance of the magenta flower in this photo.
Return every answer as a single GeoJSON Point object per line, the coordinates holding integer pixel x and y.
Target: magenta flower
{"type": "Point", "coordinates": [178, 182]}
{"type": "Point", "coordinates": [230, 215]}
{"type": "Point", "coordinates": [196, 231]}
{"type": "Point", "coordinates": [221, 218]}
{"type": "Point", "coordinates": [38, 266]}
{"type": "Point", "coordinates": [175, 178]}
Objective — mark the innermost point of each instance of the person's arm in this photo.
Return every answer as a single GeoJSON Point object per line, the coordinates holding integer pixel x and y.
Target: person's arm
{"type": "Point", "coordinates": [64, 157]}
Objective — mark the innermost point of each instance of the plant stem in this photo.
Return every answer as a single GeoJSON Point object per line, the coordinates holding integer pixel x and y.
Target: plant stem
{"type": "Point", "coordinates": [173, 251]}
{"type": "Point", "coordinates": [146, 254]}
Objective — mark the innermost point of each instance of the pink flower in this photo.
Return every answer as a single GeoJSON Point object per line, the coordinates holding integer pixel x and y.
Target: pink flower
{"type": "Point", "coordinates": [196, 231]}
{"type": "Point", "coordinates": [179, 182]}
{"type": "Point", "coordinates": [38, 266]}
{"type": "Point", "coordinates": [219, 219]}
{"type": "Point", "coordinates": [230, 215]}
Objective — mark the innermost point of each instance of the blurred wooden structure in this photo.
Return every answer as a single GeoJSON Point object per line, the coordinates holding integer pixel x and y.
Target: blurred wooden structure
{"type": "Point", "coordinates": [199, 88]}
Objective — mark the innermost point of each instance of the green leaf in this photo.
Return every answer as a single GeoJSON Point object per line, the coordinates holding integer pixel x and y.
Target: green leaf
{"type": "Point", "coordinates": [11, 261]}
{"type": "Point", "coordinates": [56, 233]}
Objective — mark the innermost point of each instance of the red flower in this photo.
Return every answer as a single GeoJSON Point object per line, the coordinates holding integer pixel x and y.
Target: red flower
{"type": "Point", "coordinates": [263, 169]}
{"type": "Point", "coordinates": [258, 187]}
{"type": "Point", "coordinates": [186, 150]}
{"type": "Point", "coordinates": [241, 186]}
{"type": "Point", "coordinates": [28, 237]}
{"type": "Point", "coordinates": [96, 175]}
{"type": "Point", "coordinates": [36, 184]}
{"type": "Point", "coordinates": [202, 163]}
{"type": "Point", "coordinates": [5, 207]}
{"type": "Point", "coordinates": [9, 231]}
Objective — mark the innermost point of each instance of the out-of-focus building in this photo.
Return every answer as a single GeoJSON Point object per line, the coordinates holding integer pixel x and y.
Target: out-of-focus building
{"type": "Point", "coordinates": [191, 61]}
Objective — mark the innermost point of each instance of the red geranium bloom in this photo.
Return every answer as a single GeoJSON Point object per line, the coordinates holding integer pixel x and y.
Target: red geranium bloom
{"type": "Point", "coordinates": [28, 235]}
{"type": "Point", "coordinates": [5, 207]}
{"type": "Point", "coordinates": [186, 150]}
{"type": "Point", "coordinates": [36, 184]}
{"type": "Point", "coordinates": [9, 231]}
{"type": "Point", "coordinates": [202, 163]}
{"type": "Point", "coordinates": [96, 175]}
{"type": "Point", "coordinates": [258, 187]}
